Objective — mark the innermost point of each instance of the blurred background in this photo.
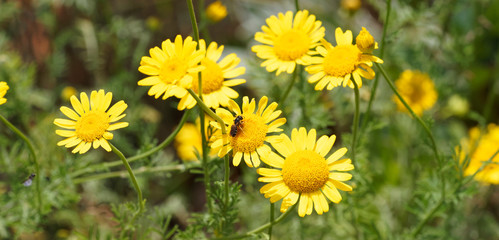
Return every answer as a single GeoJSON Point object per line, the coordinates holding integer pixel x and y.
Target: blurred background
{"type": "Point", "coordinates": [52, 49]}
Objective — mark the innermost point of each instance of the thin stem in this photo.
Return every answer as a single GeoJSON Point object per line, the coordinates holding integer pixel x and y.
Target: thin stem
{"type": "Point", "coordinates": [272, 206]}
{"type": "Point", "coordinates": [290, 86]}
{"type": "Point", "coordinates": [376, 79]}
{"type": "Point", "coordinates": [131, 175]}
{"type": "Point", "coordinates": [122, 174]}
{"type": "Point", "coordinates": [297, 5]}
{"type": "Point", "coordinates": [162, 145]}
{"type": "Point", "coordinates": [193, 20]}
{"type": "Point", "coordinates": [355, 118]}
{"type": "Point", "coordinates": [263, 227]}
{"type": "Point", "coordinates": [33, 157]}
{"type": "Point", "coordinates": [427, 130]}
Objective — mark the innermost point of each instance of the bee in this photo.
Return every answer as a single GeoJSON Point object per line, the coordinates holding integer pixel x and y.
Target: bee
{"type": "Point", "coordinates": [29, 181]}
{"type": "Point", "coordinates": [237, 124]}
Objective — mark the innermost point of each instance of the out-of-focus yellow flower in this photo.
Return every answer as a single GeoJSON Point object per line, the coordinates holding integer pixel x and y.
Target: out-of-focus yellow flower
{"type": "Point", "coordinates": [188, 141]}
{"type": "Point", "coordinates": [216, 11]}
{"type": "Point", "coordinates": [153, 23]}
{"type": "Point", "coordinates": [365, 41]}
{"type": "Point", "coordinates": [3, 90]}
{"type": "Point", "coordinates": [457, 105]}
{"type": "Point", "coordinates": [351, 5]}
{"type": "Point", "coordinates": [67, 92]}
{"type": "Point", "coordinates": [480, 147]}
{"type": "Point", "coordinates": [418, 91]}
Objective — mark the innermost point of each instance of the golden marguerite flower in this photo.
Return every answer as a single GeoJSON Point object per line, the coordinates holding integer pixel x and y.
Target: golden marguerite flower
{"type": "Point", "coordinates": [90, 122]}
{"type": "Point", "coordinates": [303, 171]}
{"type": "Point", "coordinates": [216, 78]}
{"type": "Point", "coordinates": [188, 141]}
{"type": "Point", "coordinates": [170, 67]}
{"type": "Point", "coordinates": [247, 130]}
{"type": "Point", "coordinates": [338, 65]}
{"type": "Point", "coordinates": [288, 41]}
{"type": "Point", "coordinates": [3, 90]}
{"type": "Point", "coordinates": [418, 91]}
{"type": "Point", "coordinates": [480, 147]}
{"type": "Point", "coordinates": [216, 11]}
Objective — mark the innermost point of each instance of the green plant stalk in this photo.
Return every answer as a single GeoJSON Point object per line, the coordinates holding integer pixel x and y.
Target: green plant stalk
{"type": "Point", "coordinates": [132, 177]}
{"type": "Point", "coordinates": [376, 79]}
{"type": "Point", "coordinates": [355, 118]}
{"type": "Point", "coordinates": [179, 167]}
{"type": "Point", "coordinates": [162, 145]}
{"type": "Point", "coordinates": [290, 86]}
{"type": "Point", "coordinates": [427, 130]}
{"type": "Point", "coordinates": [263, 227]}
{"type": "Point", "coordinates": [297, 5]}
{"type": "Point", "coordinates": [272, 206]}
{"type": "Point", "coordinates": [33, 157]}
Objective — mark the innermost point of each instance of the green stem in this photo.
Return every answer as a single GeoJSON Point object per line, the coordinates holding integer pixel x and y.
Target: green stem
{"type": "Point", "coordinates": [427, 130]}
{"type": "Point", "coordinates": [355, 118]}
{"type": "Point", "coordinates": [290, 86]}
{"type": "Point", "coordinates": [193, 20]}
{"type": "Point", "coordinates": [132, 177]}
{"type": "Point", "coordinates": [162, 145]}
{"type": "Point", "coordinates": [376, 79]}
{"type": "Point", "coordinates": [100, 176]}
{"type": "Point", "coordinates": [297, 5]}
{"type": "Point", "coordinates": [33, 157]}
{"type": "Point", "coordinates": [272, 206]}
{"type": "Point", "coordinates": [263, 227]}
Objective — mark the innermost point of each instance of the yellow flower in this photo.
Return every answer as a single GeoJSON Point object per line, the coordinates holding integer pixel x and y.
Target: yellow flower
{"type": "Point", "coordinates": [351, 5]}
{"type": "Point", "coordinates": [188, 141]}
{"type": "Point", "coordinates": [481, 147]}
{"type": "Point", "coordinates": [288, 41]}
{"type": "Point", "coordinates": [305, 173]}
{"type": "Point", "coordinates": [67, 92]}
{"type": "Point", "coordinates": [216, 87]}
{"type": "Point", "coordinates": [171, 67]}
{"type": "Point", "coordinates": [418, 91]}
{"type": "Point", "coordinates": [365, 41]}
{"type": "Point", "coordinates": [3, 90]}
{"type": "Point", "coordinates": [216, 11]}
{"type": "Point", "coordinates": [337, 65]}
{"type": "Point", "coordinates": [90, 121]}
{"type": "Point", "coordinates": [246, 137]}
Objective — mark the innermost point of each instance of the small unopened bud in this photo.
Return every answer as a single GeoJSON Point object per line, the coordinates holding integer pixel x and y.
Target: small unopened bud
{"type": "Point", "coordinates": [365, 41]}
{"type": "Point", "coordinates": [216, 11]}
{"type": "Point", "coordinates": [351, 5]}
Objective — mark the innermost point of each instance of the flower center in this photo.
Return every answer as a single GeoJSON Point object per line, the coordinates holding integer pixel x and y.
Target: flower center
{"type": "Point", "coordinates": [92, 125]}
{"type": "Point", "coordinates": [291, 45]}
{"type": "Point", "coordinates": [250, 135]}
{"type": "Point", "coordinates": [305, 171]}
{"type": "Point", "coordinates": [173, 70]}
{"type": "Point", "coordinates": [341, 60]}
{"type": "Point", "coordinates": [212, 77]}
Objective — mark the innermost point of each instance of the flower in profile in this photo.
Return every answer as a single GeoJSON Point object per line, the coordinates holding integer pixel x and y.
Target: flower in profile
{"type": "Point", "coordinates": [338, 65]}
{"type": "Point", "coordinates": [3, 90]}
{"type": "Point", "coordinates": [216, 87]}
{"type": "Point", "coordinates": [288, 41]}
{"type": "Point", "coordinates": [188, 141]}
{"type": "Point", "coordinates": [418, 91]}
{"type": "Point", "coordinates": [480, 147]}
{"type": "Point", "coordinates": [303, 171]}
{"type": "Point", "coordinates": [247, 130]}
{"type": "Point", "coordinates": [365, 41]}
{"type": "Point", "coordinates": [90, 122]}
{"type": "Point", "coordinates": [216, 11]}
{"type": "Point", "coordinates": [170, 67]}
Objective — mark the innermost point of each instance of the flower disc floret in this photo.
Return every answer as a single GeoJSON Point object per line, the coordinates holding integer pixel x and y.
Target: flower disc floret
{"type": "Point", "coordinates": [253, 131]}
{"type": "Point", "coordinates": [304, 172]}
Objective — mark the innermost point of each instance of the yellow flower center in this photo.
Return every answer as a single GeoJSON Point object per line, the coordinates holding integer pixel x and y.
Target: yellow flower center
{"type": "Point", "coordinates": [250, 134]}
{"type": "Point", "coordinates": [341, 60]}
{"type": "Point", "coordinates": [212, 77]}
{"type": "Point", "coordinates": [173, 70]}
{"type": "Point", "coordinates": [291, 45]}
{"type": "Point", "coordinates": [92, 125]}
{"type": "Point", "coordinates": [305, 171]}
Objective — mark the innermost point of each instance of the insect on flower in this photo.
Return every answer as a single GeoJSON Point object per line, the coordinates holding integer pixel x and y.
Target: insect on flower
{"type": "Point", "coordinates": [29, 181]}
{"type": "Point", "coordinates": [237, 124]}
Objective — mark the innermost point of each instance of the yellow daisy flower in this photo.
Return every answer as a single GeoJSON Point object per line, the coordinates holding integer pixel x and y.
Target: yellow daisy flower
{"type": "Point", "coordinates": [216, 11]}
{"type": "Point", "coordinates": [248, 130]}
{"type": "Point", "coordinates": [216, 87]}
{"type": "Point", "coordinates": [481, 146]}
{"type": "Point", "coordinates": [304, 173]}
{"type": "Point", "coordinates": [418, 91]}
{"type": "Point", "coordinates": [188, 140]}
{"type": "Point", "coordinates": [337, 65]}
{"type": "Point", "coordinates": [3, 90]}
{"type": "Point", "coordinates": [90, 122]}
{"type": "Point", "coordinates": [170, 67]}
{"type": "Point", "coordinates": [288, 41]}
